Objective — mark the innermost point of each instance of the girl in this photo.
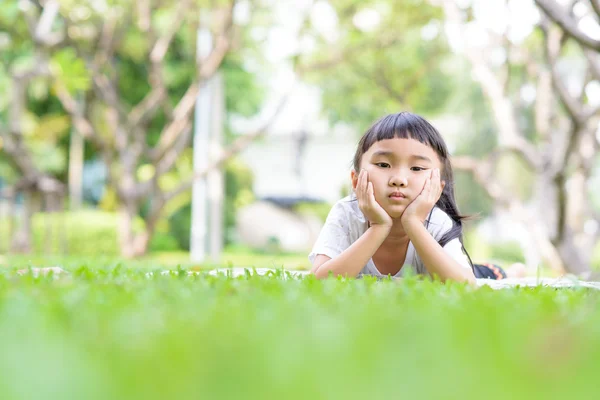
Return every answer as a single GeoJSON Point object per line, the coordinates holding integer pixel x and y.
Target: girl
{"type": "Point", "coordinates": [403, 215]}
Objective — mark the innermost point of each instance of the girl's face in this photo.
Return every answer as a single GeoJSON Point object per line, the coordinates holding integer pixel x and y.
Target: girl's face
{"type": "Point", "coordinates": [398, 169]}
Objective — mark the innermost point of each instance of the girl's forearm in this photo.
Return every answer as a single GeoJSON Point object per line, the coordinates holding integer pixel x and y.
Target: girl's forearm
{"type": "Point", "coordinates": [436, 260]}
{"type": "Point", "coordinates": [352, 260]}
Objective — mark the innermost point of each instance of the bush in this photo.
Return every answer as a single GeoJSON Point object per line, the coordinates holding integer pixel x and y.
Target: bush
{"type": "Point", "coordinates": [164, 241]}
{"type": "Point", "coordinates": [86, 233]}
{"type": "Point", "coordinates": [507, 251]}
{"type": "Point", "coordinates": [180, 225]}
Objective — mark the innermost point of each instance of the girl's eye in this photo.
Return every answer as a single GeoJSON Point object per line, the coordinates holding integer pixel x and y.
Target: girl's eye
{"type": "Point", "coordinates": [382, 164]}
{"type": "Point", "coordinates": [417, 169]}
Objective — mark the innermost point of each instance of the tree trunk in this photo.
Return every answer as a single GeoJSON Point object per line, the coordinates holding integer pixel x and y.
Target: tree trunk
{"type": "Point", "coordinates": [576, 255]}
{"type": "Point", "coordinates": [131, 243]}
{"type": "Point", "coordinates": [127, 214]}
{"type": "Point", "coordinates": [576, 245]}
{"type": "Point", "coordinates": [21, 242]}
{"type": "Point", "coordinates": [142, 242]}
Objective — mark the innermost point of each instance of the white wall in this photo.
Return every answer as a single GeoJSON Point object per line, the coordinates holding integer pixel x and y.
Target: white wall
{"type": "Point", "coordinates": [325, 166]}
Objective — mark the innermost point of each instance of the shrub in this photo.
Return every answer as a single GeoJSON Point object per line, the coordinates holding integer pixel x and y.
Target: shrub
{"type": "Point", "coordinates": [82, 233]}
{"type": "Point", "coordinates": [507, 251]}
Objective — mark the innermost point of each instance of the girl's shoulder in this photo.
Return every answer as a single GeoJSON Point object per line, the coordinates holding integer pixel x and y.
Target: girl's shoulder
{"type": "Point", "coordinates": [347, 208]}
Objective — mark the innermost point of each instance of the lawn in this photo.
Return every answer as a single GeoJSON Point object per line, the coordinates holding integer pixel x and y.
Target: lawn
{"type": "Point", "coordinates": [235, 256]}
{"type": "Point", "coordinates": [109, 333]}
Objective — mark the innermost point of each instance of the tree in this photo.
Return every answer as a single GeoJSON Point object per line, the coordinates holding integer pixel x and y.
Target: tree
{"type": "Point", "coordinates": [377, 57]}
{"type": "Point", "coordinates": [31, 176]}
{"type": "Point", "coordinates": [553, 136]}
{"type": "Point", "coordinates": [89, 50]}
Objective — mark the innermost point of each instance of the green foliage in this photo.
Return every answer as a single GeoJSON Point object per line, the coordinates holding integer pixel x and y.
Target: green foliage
{"type": "Point", "coordinates": [180, 226]}
{"type": "Point", "coordinates": [128, 69]}
{"type": "Point", "coordinates": [238, 190]}
{"type": "Point", "coordinates": [508, 252]}
{"type": "Point", "coordinates": [70, 70]}
{"type": "Point", "coordinates": [243, 93]}
{"type": "Point", "coordinates": [114, 332]}
{"type": "Point", "coordinates": [87, 233]}
{"type": "Point", "coordinates": [387, 68]}
{"type": "Point", "coordinates": [83, 233]}
{"type": "Point", "coordinates": [164, 241]}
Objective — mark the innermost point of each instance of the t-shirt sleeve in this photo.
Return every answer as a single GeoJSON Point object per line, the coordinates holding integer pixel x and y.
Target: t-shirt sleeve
{"type": "Point", "coordinates": [455, 249]}
{"type": "Point", "coordinates": [440, 224]}
{"type": "Point", "coordinates": [334, 237]}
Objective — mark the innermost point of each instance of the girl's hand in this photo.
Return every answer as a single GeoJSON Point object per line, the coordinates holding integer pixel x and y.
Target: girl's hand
{"type": "Point", "coordinates": [372, 210]}
{"type": "Point", "coordinates": [421, 206]}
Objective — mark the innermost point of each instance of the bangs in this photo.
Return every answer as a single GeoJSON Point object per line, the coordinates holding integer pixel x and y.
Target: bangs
{"type": "Point", "coordinates": [404, 125]}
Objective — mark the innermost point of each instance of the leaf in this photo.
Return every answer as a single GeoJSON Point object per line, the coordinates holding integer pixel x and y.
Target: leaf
{"type": "Point", "coordinates": [70, 70]}
{"type": "Point", "coordinates": [52, 127]}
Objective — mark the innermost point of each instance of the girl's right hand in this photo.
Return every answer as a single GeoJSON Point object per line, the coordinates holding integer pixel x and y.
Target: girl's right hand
{"type": "Point", "coordinates": [372, 210]}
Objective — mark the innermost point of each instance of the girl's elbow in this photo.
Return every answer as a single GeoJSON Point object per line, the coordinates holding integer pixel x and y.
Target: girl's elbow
{"type": "Point", "coordinates": [317, 272]}
{"type": "Point", "coordinates": [470, 279]}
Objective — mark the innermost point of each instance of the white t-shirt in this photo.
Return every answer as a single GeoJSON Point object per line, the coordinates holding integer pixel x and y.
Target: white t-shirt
{"type": "Point", "coordinates": [346, 223]}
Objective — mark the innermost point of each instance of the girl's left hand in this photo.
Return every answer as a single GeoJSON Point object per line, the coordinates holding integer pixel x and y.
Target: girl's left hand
{"type": "Point", "coordinates": [421, 206]}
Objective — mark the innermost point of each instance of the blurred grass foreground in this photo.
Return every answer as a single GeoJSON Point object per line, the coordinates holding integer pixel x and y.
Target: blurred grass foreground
{"type": "Point", "coordinates": [124, 333]}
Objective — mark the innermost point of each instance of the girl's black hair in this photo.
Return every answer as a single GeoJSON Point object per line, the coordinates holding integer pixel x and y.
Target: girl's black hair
{"type": "Point", "coordinates": [405, 125]}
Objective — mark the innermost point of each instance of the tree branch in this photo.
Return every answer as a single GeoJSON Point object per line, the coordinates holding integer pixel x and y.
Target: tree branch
{"type": "Point", "coordinates": [593, 63]}
{"type": "Point", "coordinates": [14, 144]}
{"type": "Point", "coordinates": [144, 13]}
{"type": "Point", "coordinates": [481, 171]}
{"type": "Point", "coordinates": [107, 39]}
{"type": "Point", "coordinates": [82, 125]}
{"type": "Point", "coordinates": [222, 43]}
{"type": "Point", "coordinates": [543, 104]}
{"type": "Point", "coordinates": [184, 108]}
{"type": "Point", "coordinates": [596, 7]}
{"type": "Point", "coordinates": [238, 145]}
{"type": "Point", "coordinates": [509, 134]}
{"type": "Point", "coordinates": [569, 25]}
{"type": "Point", "coordinates": [167, 162]}
{"type": "Point", "coordinates": [147, 108]}
{"type": "Point", "coordinates": [552, 52]}
{"type": "Point", "coordinates": [43, 32]}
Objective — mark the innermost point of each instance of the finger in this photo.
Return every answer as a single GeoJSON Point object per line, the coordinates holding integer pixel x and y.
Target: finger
{"type": "Point", "coordinates": [363, 184]}
{"type": "Point", "coordinates": [371, 194]}
{"type": "Point", "coordinates": [363, 187]}
{"type": "Point", "coordinates": [427, 187]}
{"type": "Point", "coordinates": [435, 184]}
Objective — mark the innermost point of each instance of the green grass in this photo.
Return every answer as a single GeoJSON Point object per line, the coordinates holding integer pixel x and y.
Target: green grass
{"type": "Point", "coordinates": [104, 333]}
{"type": "Point", "coordinates": [232, 256]}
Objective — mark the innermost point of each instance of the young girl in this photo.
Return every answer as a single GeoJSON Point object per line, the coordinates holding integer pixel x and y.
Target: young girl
{"type": "Point", "coordinates": [403, 215]}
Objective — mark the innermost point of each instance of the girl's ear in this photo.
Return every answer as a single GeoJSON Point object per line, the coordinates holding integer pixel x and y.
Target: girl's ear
{"type": "Point", "coordinates": [354, 178]}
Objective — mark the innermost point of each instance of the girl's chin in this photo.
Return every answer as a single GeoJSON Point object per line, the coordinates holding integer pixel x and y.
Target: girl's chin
{"type": "Point", "coordinates": [396, 212]}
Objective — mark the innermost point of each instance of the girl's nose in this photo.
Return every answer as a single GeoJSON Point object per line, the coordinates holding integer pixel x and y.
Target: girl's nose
{"type": "Point", "coordinates": [398, 181]}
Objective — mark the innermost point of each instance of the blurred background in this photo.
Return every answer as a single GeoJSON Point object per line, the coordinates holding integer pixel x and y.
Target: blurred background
{"type": "Point", "coordinates": [214, 133]}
